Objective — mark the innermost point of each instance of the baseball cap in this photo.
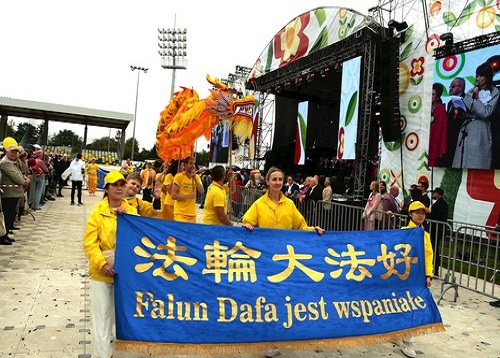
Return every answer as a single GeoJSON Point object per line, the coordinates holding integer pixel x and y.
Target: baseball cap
{"type": "Point", "coordinates": [112, 177]}
{"type": "Point", "coordinates": [37, 146]}
{"type": "Point", "coordinates": [10, 143]}
{"type": "Point", "coordinates": [417, 205]}
{"type": "Point", "coordinates": [438, 190]}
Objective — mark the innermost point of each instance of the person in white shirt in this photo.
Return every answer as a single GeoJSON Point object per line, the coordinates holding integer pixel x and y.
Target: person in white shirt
{"type": "Point", "coordinates": [77, 168]}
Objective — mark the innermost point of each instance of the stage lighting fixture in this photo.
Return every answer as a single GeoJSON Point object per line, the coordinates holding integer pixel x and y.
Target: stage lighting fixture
{"type": "Point", "coordinates": [398, 26]}
{"type": "Point", "coordinates": [310, 77]}
{"type": "Point", "coordinates": [323, 72]}
{"type": "Point", "coordinates": [447, 37]}
{"type": "Point", "coordinates": [298, 81]}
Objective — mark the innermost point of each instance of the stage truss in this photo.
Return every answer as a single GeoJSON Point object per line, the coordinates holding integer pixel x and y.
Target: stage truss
{"type": "Point", "coordinates": [362, 43]}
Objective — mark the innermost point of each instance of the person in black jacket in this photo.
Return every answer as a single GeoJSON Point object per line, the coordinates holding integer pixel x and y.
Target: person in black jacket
{"type": "Point", "coordinates": [291, 188]}
{"type": "Point", "coordinates": [439, 212]}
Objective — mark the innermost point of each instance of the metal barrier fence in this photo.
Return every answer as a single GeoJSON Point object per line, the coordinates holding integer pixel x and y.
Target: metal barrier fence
{"type": "Point", "coordinates": [465, 255]}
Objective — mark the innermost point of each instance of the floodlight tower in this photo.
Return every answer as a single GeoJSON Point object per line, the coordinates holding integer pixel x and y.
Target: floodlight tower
{"type": "Point", "coordinates": [172, 49]}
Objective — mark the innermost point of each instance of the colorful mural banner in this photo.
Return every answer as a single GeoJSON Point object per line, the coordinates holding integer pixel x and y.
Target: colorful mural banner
{"type": "Point", "coordinates": [201, 287]}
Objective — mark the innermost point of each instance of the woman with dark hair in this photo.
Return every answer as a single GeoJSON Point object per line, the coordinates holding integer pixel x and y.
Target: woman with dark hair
{"type": "Point", "coordinates": [474, 147]}
{"type": "Point", "coordinates": [439, 126]}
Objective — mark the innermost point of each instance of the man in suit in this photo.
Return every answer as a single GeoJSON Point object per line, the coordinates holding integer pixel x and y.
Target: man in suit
{"type": "Point", "coordinates": [439, 212]}
{"type": "Point", "coordinates": [423, 186]}
{"type": "Point", "coordinates": [315, 191]}
{"type": "Point", "coordinates": [291, 188]}
{"type": "Point", "coordinates": [455, 120]}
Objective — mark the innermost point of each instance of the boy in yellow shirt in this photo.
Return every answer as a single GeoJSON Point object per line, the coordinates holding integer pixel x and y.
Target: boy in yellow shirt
{"type": "Point", "coordinates": [216, 199]}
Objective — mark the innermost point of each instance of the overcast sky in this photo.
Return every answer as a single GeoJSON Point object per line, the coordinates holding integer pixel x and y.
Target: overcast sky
{"type": "Point", "coordinates": [79, 53]}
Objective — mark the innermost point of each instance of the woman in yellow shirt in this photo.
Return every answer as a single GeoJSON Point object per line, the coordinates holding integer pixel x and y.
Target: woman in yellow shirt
{"type": "Point", "coordinates": [274, 210]}
{"type": "Point", "coordinates": [167, 201]}
{"type": "Point", "coordinates": [92, 170]}
{"type": "Point", "coordinates": [184, 190]}
{"type": "Point", "coordinates": [99, 243]}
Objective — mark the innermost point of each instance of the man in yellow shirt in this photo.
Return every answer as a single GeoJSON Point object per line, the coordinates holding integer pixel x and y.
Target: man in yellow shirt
{"type": "Point", "coordinates": [92, 170]}
{"type": "Point", "coordinates": [148, 176]}
{"type": "Point", "coordinates": [184, 189]}
{"type": "Point", "coordinates": [216, 199]}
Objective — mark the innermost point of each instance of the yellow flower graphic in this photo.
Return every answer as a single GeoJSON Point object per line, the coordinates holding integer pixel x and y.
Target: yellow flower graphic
{"type": "Point", "coordinates": [291, 43]}
{"type": "Point", "coordinates": [290, 39]}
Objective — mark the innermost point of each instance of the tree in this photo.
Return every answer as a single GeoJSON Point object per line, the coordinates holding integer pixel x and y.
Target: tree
{"type": "Point", "coordinates": [26, 129]}
{"type": "Point", "coordinates": [202, 158]}
{"type": "Point", "coordinates": [66, 137]}
{"type": "Point", "coordinates": [10, 132]}
{"type": "Point", "coordinates": [127, 153]}
{"type": "Point", "coordinates": [104, 143]}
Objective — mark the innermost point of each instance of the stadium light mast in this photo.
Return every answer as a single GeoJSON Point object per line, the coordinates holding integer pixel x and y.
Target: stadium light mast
{"type": "Point", "coordinates": [172, 49]}
{"type": "Point", "coordinates": [139, 69]}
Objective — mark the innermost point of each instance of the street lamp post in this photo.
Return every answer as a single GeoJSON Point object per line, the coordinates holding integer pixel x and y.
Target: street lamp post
{"type": "Point", "coordinates": [139, 69]}
{"type": "Point", "coordinates": [172, 49]}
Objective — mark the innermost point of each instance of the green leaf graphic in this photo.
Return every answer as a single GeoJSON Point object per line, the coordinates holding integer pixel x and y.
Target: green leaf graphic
{"type": "Point", "coordinates": [449, 18]}
{"type": "Point", "coordinates": [423, 156]}
{"type": "Point", "coordinates": [351, 108]}
{"type": "Point", "coordinates": [320, 15]}
{"type": "Point", "coordinates": [270, 53]}
{"type": "Point", "coordinates": [406, 52]}
{"type": "Point", "coordinates": [303, 130]}
{"type": "Point", "coordinates": [321, 41]}
{"type": "Point", "coordinates": [408, 33]}
{"type": "Point", "coordinates": [466, 13]}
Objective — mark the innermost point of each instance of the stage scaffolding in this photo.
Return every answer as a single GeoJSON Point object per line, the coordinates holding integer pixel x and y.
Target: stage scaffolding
{"type": "Point", "coordinates": [362, 43]}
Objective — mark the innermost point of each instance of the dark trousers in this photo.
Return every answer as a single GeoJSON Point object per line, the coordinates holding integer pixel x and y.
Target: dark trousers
{"type": "Point", "coordinates": [60, 182]}
{"type": "Point", "coordinates": [76, 185]}
{"type": "Point", "coordinates": [147, 194]}
{"type": "Point", "coordinates": [9, 207]}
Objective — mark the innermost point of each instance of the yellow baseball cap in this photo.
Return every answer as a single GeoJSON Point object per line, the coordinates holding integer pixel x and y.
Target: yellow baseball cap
{"type": "Point", "coordinates": [417, 205]}
{"type": "Point", "coordinates": [10, 143]}
{"type": "Point", "coordinates": [112, 177]}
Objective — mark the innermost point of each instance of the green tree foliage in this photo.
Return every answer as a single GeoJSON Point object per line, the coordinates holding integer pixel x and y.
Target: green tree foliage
{"type": "Point", "coordinates": [66, 137]}
{"type": "Point", "coordinates": [104, 143]}
{"type": "Point", "coordinates": [26, 129]}
{"type": "Point", "coordinates": [10, 132]}
{"type": "Point", "coordinates": [127, 153]}
{"type": "Point", "coordinates": [202, 158]}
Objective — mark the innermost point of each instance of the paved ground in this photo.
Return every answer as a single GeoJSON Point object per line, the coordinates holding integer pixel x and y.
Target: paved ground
{"type": "Point", "coordinates": [44, 299]}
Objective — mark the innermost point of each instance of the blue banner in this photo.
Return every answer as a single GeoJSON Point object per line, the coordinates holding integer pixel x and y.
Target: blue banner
{"type": "Point", "coordinates": [201, 284]}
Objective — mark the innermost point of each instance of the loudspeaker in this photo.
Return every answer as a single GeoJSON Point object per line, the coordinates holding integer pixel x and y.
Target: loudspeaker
{"type": "Point", "coordinates": [390, 114]}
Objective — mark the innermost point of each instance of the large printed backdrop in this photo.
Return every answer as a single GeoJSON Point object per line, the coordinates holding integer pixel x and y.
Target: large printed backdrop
{"type": "Point", "coordinates": [205, 287]}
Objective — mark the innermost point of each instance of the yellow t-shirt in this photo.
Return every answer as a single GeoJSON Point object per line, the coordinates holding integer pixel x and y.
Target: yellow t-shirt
{"type": "Point", "coordinates": [186, 186]}
{"type": "Point", "coordinates": [216, 198]}
{"type": "Point", "coordinates": [92, 169]}
{"type": "Point", "coordinates": [267, 214]}
{"type": "Point", "coordinates": [169, 180]}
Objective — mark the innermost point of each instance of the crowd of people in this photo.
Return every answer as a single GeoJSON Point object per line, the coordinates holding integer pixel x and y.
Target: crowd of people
{"type": "Point", "coordinates": [30, 177]}
{"type": "Point", "coordinates": [176, 189]}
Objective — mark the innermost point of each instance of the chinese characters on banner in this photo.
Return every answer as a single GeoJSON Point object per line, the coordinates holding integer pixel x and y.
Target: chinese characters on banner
{"type": "Point", "coordinates": [205, 286]}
